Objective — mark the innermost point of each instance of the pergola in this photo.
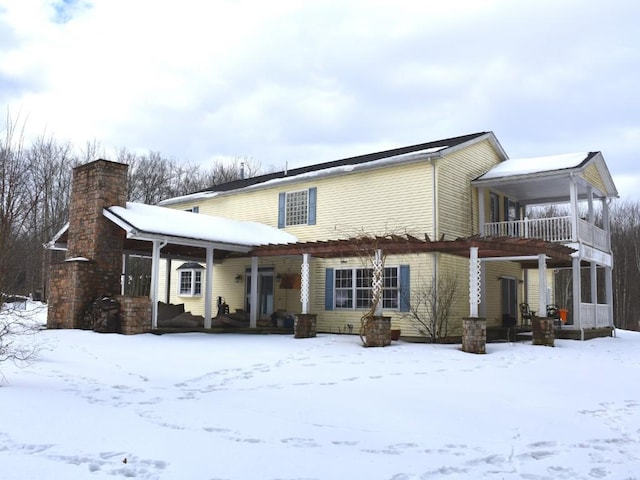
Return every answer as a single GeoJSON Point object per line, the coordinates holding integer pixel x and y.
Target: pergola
{"type": "Point", "coordinates": [530, 253]}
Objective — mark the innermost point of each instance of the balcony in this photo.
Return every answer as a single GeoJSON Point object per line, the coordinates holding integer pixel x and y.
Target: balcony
{"type": "Point", "coordinates": [553, 229]}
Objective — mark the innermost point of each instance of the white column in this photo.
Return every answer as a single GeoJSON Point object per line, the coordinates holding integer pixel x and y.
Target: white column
{"type": "Point", "coordinates": [208, 292]}
{"type": "Point", "coordinates": [474, 281]}
{"type": "Point", "coordinates": [608, 287]}
{"type": "Point", "coordinates": [591, 217]}
{"type": "Point", "coordinates": [168, 286]}
{"type": "Point", "coordinates": [304, 283]}
{"type": "Point", "coordinates": [542, 281]}
{"type": "Point", "coordinates": [593, 270]}
{"type": "Point", "coordinates": [481, 212]}
{"type": "Point", "coordinates": [153, 291]}
{"type": "Point", "coordinates": [605, 222]}
{"type": "Point", "coordinates": [573, 200]}
{"type": "Point", "coordinates": [255, 307]}
{"type": "Point", "coordinates": [378, 273]}
{"type": "Point", "coordinates": [124, 277]}
{"type": "Point", "coordinates": [576, 292]}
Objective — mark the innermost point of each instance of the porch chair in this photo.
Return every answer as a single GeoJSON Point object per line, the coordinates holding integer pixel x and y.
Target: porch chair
{"type": "Point", "coordinates": [526, 313]}
{"type": "Point", "coordinates": [554, 312]}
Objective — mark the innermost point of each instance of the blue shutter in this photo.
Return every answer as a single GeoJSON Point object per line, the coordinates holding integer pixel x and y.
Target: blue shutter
{"type": "Point", "coordinates": [405, 283]}
{"type": "Point", "coordinates": [281, 206]}
{"type": "Point", "coordinates": [313, 195]}
{"type": "Point", "coordinates": [328, 289]}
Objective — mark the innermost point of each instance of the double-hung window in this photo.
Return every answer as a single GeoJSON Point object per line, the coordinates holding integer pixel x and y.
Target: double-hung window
{"type": "Point", "coordinates": [190, 283]}
{"type": "Point", "coordinates": [297, 207]}
{"type": "Point", "coordinates": [353, 288]}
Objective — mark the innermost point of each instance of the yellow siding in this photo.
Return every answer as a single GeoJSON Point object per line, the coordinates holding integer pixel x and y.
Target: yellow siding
{"type": "Point", "coordinates": [592, 176]}
{"type": "Point", "coordinates": [533, 289]}
{"type": "Point", "coordinates": [390, 199]}
{"type": "Point", "coordinates": [457, 205]}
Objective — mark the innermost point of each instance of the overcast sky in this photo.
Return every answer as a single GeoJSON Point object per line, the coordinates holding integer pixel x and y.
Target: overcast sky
{"type": "Point", "coordinates": [311, 81]}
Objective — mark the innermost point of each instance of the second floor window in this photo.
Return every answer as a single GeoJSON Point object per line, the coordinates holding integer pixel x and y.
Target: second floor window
{"type": "Point", "coordinates": [297, 207]}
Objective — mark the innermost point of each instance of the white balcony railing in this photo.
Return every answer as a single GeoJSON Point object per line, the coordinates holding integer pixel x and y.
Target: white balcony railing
{"type": "Point", "coordinates": [595, 315]}
{"type": "Point", "coordinates": [553, 229]}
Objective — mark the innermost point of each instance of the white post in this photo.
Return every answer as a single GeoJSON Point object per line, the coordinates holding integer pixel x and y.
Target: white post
{"type": "Point", "coordinates": [605, 222]}
{"type": "Point", "coordinates": [577, 289]}
{"type": "Point", "coordinates": [474, 281]}
{"type": "Point", "coordinates": [573, 198]}
{"type": "Point", "coordinates": [304, 284]}
{"type": "Point", "coordinates": [608, 287]}
{"type": "Point", "coordinates": [481, 207]}
{"type": "Point", "coordinates": [153, 291]}
{"type": "Point", "coordinates": [208, 292]}
{"type": "Point", "coordinates": [253, 316]}
{"type": "Point", "coordinates": [542, 282]}
{"type": "Point", "coordinates": [376, 285]}
{"type": "Point", "coordinates": [124, 278]}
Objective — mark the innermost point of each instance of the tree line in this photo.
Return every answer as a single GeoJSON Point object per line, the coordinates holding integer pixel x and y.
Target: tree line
{"type": "Point", "coordinates": [35, 190]}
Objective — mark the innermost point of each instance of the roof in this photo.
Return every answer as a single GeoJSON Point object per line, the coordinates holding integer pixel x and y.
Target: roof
{"type": "Point", "coordinates": [433, 148]}
{"type": "Point", "coordinates": [186, 234]}
{"type": "Point", "coordinates": [545, 179]}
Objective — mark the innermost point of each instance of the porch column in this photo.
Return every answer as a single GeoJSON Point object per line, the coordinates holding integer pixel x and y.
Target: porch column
{"type": "Point", "coordinates": [542, 282]}
{"type": "Point", "coordinates": [208, 292]}
{"type": "Point", "coordinates": [573, 200]}
{"type": "Point", "coordinates": [605, 222]}
{"type": "Point", "coordinates": [608, 288]}
{"type": "Point", "coordinates": [376, 283]}
{"type": "Point", "coordinates": [481, 207]}
{"type": "Point", "coordinates": [593, 270]}
{"type": "Point", "coordinates": [591, 214]}
{"type": "Point", "coordinates": [575, 270]}
{"type": "Point", "coordinates": [153, 290]}
{"type": "Point", "coordinates": [304, 284]}
{"type": "Point", "coordinates": [474, 281]}
{"type": "Point", "coordinates": [253, 302]}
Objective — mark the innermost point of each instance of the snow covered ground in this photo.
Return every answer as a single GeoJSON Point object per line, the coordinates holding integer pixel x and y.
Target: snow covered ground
{"type": "Point", "coordinates": [198, 406]}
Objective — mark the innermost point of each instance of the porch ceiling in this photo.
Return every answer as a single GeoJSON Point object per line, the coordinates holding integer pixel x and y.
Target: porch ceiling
{"type": "Point", "coordinates": [549, 188]}
{"type": "Point", "coordinates": [488, 247]}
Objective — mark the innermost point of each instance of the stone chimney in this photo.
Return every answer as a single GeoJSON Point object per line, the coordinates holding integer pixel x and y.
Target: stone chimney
{"type": "Point", "coordinates": [93, 262]}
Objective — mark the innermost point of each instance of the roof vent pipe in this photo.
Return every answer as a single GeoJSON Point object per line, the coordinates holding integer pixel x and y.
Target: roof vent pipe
{"type": "Point", "coordinates": [241, 170]}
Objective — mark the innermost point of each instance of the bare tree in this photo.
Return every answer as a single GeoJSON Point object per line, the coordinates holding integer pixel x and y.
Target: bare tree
{"type": "Point", "coordinates": [431, 306]}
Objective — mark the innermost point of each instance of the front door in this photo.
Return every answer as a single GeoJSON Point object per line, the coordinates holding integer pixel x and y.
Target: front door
{"type": "Point", "coordinates": [265, 293]}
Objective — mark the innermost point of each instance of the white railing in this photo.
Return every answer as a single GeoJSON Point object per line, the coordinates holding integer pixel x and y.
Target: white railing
{"type": "Point", "coordinates": [553, 229]}
{"type": "Point", "coordinates": [592, 235]}
{"type": "Point", "coordinates": [595, 315]}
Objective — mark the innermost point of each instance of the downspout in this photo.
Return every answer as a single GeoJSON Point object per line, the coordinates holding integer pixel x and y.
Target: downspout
{"type": "Point", "coordinates": [434, 217]}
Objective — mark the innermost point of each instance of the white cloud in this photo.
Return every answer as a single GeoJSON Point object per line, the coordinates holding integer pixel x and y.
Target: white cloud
{"type": "Point", "coordinates": [311, 81]}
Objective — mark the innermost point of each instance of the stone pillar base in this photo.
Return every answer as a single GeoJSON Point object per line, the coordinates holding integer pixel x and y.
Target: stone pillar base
{"type": "Point", "coordinates": [377, 332]}
{"type": "Point", "coordinates": [474, 335]}
{"type": "Point", "coordinates": [542, 331]}
{"type": "Point", "coordinates": [305, 325]}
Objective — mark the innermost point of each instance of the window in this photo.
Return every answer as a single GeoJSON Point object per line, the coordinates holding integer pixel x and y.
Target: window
{"type": "Point", "coordinates": [297, 208]}
{"type": "Point", "coordinates": [353, 288]}
{"type": "Point", "coordinates": [190, 284]}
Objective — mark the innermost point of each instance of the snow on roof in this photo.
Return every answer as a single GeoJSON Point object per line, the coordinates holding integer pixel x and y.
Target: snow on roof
{"type": "Point", "coordinates": [140, 219]}
{"type": "Point", "coordinates": [334, 170]}
{"type": "Point", "coordinates": [524, 166]}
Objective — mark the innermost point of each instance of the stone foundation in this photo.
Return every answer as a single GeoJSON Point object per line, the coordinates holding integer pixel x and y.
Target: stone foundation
{"type": "Point", "coordinates": [377, 332]}
{"type": "Point", "coordinates": [135, 314]}
{"type": "Point", "coordinates": [305, 325]}
{"type": "Point", "coordinates": [543, 331]}
{"type": "Point", "coordinates": [474, 335]}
